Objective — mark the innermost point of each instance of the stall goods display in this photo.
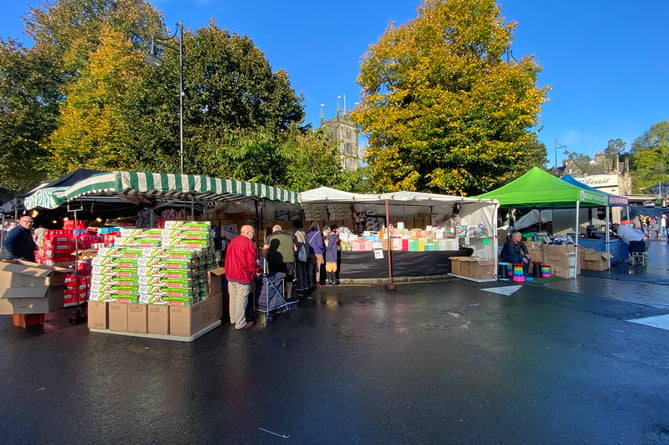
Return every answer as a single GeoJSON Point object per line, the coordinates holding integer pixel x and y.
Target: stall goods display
{"type": "Point", "coordinates": [151, 267]}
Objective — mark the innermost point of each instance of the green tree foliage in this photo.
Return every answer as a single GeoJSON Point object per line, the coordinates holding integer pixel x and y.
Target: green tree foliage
{"type": "Point", "coordinates": [443, 109]}
{"type": "Point", "coordinates": [650, 156]}
{"type": "Point", "coordinates": [615, 147]}
{"type": "Point", "coordinates": [29, 96]}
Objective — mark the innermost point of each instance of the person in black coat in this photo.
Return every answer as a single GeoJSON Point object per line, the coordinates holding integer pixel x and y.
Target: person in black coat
{"type": "Point", "coordinates": [515, 251]}
{"type": "Point", "coordinates": [19, 243]}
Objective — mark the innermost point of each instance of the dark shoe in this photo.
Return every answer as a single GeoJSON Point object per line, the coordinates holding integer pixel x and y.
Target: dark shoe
{"type": "Point", "coordinates": [249, 324]}
{"type": "Point", "coordinates": [335, 282]}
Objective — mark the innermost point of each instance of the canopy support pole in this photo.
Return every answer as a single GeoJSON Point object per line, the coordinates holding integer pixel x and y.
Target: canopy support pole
{"type": "Point", "coordinates": [389, 285]}
{"type": "Point", "coordinates": [578, 212]}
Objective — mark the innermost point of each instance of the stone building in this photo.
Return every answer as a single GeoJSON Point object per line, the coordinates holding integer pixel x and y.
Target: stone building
{"type": "Point", "coordinates": [344, 132]}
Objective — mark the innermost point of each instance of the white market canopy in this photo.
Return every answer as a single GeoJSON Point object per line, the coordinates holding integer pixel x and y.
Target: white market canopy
{"type": "Point", "coordinates": [327, 195]}
{"type": "Point", "coordinates": [135, 185]}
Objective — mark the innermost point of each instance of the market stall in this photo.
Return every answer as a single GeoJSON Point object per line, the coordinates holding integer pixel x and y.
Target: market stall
{"type": "Point", "coordinates": [157, 277]}
{"type": "Point", "coordinates": [405, 234]}
{"type": "Point", "coordinates": [538, 189]}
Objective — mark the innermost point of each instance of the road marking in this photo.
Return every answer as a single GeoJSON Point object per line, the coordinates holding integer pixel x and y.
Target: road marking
{"type": "Point", "coordinates": [658, 321]}
{"type": "Point", "coordinates": [505, 290]}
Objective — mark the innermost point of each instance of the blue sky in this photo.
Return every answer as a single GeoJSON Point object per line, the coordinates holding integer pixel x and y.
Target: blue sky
{"type": "Point", "coordinates": [606, 61]}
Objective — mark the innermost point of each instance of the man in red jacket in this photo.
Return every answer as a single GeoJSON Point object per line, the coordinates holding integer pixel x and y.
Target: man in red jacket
{"type": "Point", "coordinates": [241, 266]}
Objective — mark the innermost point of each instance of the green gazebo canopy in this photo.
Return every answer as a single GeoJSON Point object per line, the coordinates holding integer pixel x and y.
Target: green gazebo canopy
{"type": "Point", "coordinates": [539, 189]}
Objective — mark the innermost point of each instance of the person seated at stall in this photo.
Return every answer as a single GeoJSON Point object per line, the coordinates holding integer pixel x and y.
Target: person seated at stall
{"type": "Point", "coordinates": [630, 236]}
{"type": "Point", "coordinates": [515, 251]}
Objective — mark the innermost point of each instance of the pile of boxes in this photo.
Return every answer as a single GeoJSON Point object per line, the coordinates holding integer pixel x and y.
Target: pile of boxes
{"type": "Point", "coordinates": [28, 288]}
{"type": "Point", "coordinates": [157, 281]}
{"type": "Point", "coordinates": [473, 267]}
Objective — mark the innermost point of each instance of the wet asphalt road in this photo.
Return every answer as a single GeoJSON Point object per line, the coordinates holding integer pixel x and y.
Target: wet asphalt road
{"type": "Point", "coordinates": [442, 362]}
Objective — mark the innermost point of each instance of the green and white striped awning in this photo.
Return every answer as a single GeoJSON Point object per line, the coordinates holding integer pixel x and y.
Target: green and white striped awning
{"type": "Point", "coordinates": [158, 185]}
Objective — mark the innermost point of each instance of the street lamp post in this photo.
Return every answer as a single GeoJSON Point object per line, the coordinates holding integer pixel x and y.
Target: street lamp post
{"type": "Point", "coordinates": [155, 61]}
{"type": "Point", "coordinates": [558, 145]}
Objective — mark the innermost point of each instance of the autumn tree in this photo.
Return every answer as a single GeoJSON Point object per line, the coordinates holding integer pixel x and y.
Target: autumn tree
{"type": "Point", "coordinates": [445, 106]}
{"type": "Point", "coordinates": [94, 122]}
{"type": "Point", "coordinates": [650, 156]}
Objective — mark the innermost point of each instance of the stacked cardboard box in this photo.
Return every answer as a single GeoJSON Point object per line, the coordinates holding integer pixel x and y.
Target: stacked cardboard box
{"type": "Point", "coordinates": [563, 260]}
{"type": "Point", "coordinates": [597, 261]}
{"type": "Point", "coordinates": [30, 288]}
{"type": "Point", "coordinates": [152, 276]}
{"type": "Point", "coordinates": [473, 267]}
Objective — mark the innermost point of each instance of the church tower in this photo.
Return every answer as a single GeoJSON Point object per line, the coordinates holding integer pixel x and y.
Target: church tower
{"type": "Point", "coordinates": [344, 132]}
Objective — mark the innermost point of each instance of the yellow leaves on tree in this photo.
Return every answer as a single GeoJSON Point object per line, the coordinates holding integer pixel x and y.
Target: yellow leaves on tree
{"type": "Point", "coordinates": [443, 108]}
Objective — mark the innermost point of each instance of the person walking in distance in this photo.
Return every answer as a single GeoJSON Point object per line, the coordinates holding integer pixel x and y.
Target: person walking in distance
{"type": "Point", "coordinates": [241, 267]}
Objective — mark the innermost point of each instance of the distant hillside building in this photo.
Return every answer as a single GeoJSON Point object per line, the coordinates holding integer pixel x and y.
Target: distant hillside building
{"type": "Point", "coordinates": [603, 172]}
{"type": "Point", "coordinates": [344, 132]}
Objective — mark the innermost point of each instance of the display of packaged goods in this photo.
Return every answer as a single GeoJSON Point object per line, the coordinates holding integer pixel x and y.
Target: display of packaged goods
{"type": "Point", "coordinates": [148, 280]}
{"type": "Point", "coordinates": [152, 252]}
{"type": "Point", "coordinates": [150, 298]}
{"type": "Point", "coordinates": [179, 283]}
{"type": "Point", "coordinates": [101, 270]}
{"type": "Point", "coordinates": [125, 262]}
{"type": "Point", "coordinates": [129, 253]}
{"type": "Point", "coordinates": [127, 281]}
{"type": "Point", "coordinates": [124, 272]}
{"type": "Point", "coordinates": [102, 260]}
{"type": "Point", "coordinates": [148, 261]}
{"type": "Point", "coordinates": [125, 290]}
{"type": "Point", "coordinates": [107, 252]}
{"type": "Point", "coordinates": [101, 287]}
{"type": "Point", "coordinates": [126, 299]}
{"type": "Point", "coordinates": [172, 263]}
{"type": "Point", "coordinates": [189, 225]}
{"type": "Point", "coordinates": [185, 234]}
{"type": "Point", "coordinates": [182, 253]}
{"type": "Point", "coordinates": [184, 242]}
{"type": "Point", "coordinates": [95, 295]}
{"type": "Point", "coordinates": [149, 270]}
{"type": "Point", "coordinates": [179, 273]}
{"type": "Point", "coordinates": [138, 242]}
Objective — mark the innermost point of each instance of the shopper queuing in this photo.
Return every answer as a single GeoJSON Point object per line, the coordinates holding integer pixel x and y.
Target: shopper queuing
{"type": "Point", "coordinates": [301, 264]}
{"type": "Point", "coordinates": [331, 245]}
{"type": "Point", "coordinates": [279, 250]}
{"type": "Point", "coordinates": [316, 252]}
{"type": "Point", "coordinates": [241, 267]}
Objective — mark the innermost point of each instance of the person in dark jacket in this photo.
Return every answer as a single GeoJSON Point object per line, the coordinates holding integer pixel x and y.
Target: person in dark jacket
{"type": "Point", "coordinates": [515, 251]}
{"type": "Point", "coordinates": [332, 240]}
{"type": "Point", "coordinates": [316, 251]}
{"type": "Point", "coordinates": [19, 242]}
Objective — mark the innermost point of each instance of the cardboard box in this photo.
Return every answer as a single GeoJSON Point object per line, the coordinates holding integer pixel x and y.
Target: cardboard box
{"type": "Point", "coordinates": [598, 261]}
{"type": "Point", "coordinates": [215, 280]}
{"type": "Point", "coordinates": [25, 274]}
{"type": "Point", "coordinates": [118, 316]}
{"type": "Point", "coordinates": [31, 300]}
{"type": "Point", "coordinates": [97, 315]}
{"type": "Point", "coordinates": [482, 268]}
{"type": "Point", "coordinates": [559, 250]}
{"type": "Point", "coordinates": [158, 319]}
{"type": "Point", "coordinates": [137, 318]}
{"type": "Point", "coordinates": [536, 254]}
{"type": "Point", "coordinates": [456, 265]}
{"type": "Point", "coordinates": [213, 308]}
{"type": "Point", "coordinates": [187, 320]}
